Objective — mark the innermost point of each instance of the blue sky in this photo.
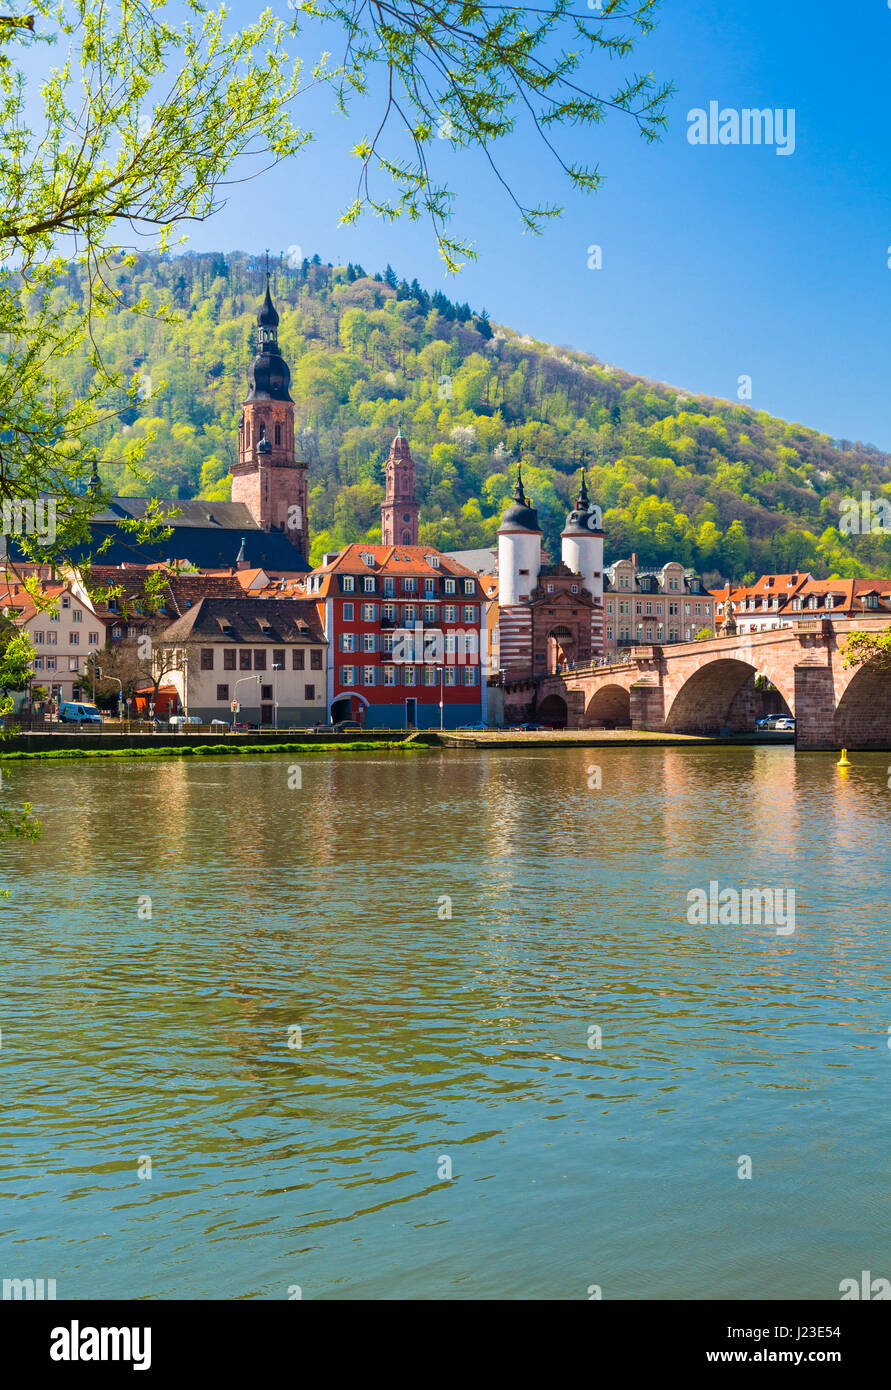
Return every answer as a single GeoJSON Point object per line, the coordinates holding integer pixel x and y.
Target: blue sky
{"type": "Point", "coordinates": [718, 260]}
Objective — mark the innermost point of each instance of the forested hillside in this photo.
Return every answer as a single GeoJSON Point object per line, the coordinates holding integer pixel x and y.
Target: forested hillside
{"type": "Point", "coordinates": [716, 484]}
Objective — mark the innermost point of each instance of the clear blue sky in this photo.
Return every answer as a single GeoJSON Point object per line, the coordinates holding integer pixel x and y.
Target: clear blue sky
{"type": "Point", "coordinates": [717, 260]}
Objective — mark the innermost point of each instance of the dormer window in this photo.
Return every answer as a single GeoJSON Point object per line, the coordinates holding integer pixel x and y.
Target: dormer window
{"type": "Point", "coordinates": [830, 600]}
{"type": "Point", "coordinates": [366, 558]}
{"type": "Point", "coordinates": [434, 561]}
{"type": "Point", "coordinates": [349, 584]}
{"type": "Point", "coordinates": [870, 600]}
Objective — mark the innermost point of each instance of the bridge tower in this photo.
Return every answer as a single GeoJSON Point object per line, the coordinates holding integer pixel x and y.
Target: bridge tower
{"type": "Point", "coordinates": [519, 563]}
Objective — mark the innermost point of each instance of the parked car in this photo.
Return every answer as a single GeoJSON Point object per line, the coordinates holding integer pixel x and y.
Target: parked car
{"type": "Point", "coordinates": [775, 721]}
{"type": "Point", "coordinates": [787, 724]}
{"type": "Point", "coordinates": [71, 712]}
{"type": "Point", "coordinates": [472, 728]}
{"type": "Point", "coordinates": [218, 724]}
{"type": "Point", "coordinates": [528, 728]}
{"type": "Point", "coordinates": [240, 726]}
{"type": "Point", "coordinates": [341, 726]}
{"type": "Point", "coordinates": [178, 720]}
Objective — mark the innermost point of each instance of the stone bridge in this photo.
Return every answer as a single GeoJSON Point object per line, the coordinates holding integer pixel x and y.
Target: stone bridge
{"type": "Point", "coordinates": [709, 687]}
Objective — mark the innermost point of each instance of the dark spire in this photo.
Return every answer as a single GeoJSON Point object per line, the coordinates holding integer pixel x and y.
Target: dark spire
{"type": "Point", "coordinates": [94, 487]}
{"type": "Point", "coordinates": [519, 494]}
{"type": "Point", "coordinates": [268, 375]}
{"type": "Point", "coordinates": [582, 501]}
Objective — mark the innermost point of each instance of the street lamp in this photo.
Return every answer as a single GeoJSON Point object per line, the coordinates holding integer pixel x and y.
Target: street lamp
{"type": "Point", "coordinates": [276, 666]}
{"type": "Point", "coordinates": [239, 682]}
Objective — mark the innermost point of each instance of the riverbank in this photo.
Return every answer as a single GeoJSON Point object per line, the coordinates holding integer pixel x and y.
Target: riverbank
{"type": "Point", "coordinates": [115, 745]}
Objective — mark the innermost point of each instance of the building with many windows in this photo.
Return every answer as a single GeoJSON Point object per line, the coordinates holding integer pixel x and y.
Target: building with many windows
{"type": "Point", "coordinates": [405, 626]}
{"type": "Point", "coordinates": [653, 606]}
{"type": "Point", "coordinates": [268, 656]}
{"type": "Point", "coordinates": [62, 635]}
{"type": "Point", "coordinates": [780, 600]}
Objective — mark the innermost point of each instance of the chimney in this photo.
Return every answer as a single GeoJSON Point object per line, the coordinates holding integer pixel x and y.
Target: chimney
{"type": "Point", "coordinates": [634, 559]}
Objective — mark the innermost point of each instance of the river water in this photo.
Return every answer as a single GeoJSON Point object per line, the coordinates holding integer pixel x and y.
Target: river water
{"type": "Point", "coordinates": [449, 1127]}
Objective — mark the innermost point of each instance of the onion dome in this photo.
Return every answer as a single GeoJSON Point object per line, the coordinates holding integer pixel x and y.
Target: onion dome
{"type": "Point", "coordinates": [269, 376]}
{"type": "Point", "coordinates": [584, 518]}
{"type": "Point", "coordinates": [520, 516]}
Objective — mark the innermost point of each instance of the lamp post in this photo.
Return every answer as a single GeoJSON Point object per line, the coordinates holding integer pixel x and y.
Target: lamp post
{"type": "Point", "coordinates": [441, 713]}
{"type": "Point", "coordinates": [256, 679]}
{"type": "Point", "coordinates": [276, 666]}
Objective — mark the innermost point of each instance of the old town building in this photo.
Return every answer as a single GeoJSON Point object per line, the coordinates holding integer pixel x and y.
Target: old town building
{"type": "Point", "coordinates": [780, 600]}
{"type": "Point", "coordinates": [550, 616]}
{"type": "Point", "coordinates": [406, 636]}
{"type": "Point", "coordinates": [653, 606]}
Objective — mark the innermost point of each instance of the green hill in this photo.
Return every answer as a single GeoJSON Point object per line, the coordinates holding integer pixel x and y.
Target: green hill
{"type": "Point", "coordinates": [714, 483]}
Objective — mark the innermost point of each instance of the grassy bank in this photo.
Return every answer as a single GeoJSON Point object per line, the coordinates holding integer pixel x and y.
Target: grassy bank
{"type": "Point", "coordinates": [212, 750]}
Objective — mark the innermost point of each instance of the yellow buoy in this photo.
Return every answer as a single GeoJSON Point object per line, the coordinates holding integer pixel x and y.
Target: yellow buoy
{"type": "Point", "coordinates": [843, 760]}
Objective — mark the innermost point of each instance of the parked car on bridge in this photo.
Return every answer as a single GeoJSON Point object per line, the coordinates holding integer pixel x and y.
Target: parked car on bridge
{"type": "Point", "coordinates": [178, 720]}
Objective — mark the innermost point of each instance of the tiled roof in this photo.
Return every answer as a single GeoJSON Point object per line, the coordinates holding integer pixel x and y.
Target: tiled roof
{"type": "Point", "coordinates": [247, 620]}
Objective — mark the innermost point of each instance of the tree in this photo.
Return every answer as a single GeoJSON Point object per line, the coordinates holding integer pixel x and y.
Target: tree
{"type": "Point", "coordinates": [863, 647]}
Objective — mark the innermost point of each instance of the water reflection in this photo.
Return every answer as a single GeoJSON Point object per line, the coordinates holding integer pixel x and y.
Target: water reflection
{"type": "Point", "coordinates": [465, 1036]}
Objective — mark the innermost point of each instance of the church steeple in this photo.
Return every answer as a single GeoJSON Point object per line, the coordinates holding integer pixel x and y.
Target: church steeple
{"type": "Point", "coordinates": [399, 510]}
{"type": "Point", "coordinates": [268, 477]}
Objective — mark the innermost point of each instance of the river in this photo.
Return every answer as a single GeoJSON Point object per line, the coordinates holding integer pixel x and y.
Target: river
{"type": "Point", "coordinates": [438, 1026]}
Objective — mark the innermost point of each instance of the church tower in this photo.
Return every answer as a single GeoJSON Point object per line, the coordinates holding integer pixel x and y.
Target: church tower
{"type": "Point", "coordinates": [268, 477]}
{"type": "Point", "coordinates": [399, 510]}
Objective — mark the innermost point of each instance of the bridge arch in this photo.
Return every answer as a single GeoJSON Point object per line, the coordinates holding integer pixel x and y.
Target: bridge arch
{"type": "Point", "coordinates": [609, 706]}
{"type": "Point", "coordinates": [552, 710]}
{"type": "Point", "coordinates": [863, 714]}
{"type": "Point", "coordinates": [703, 703]}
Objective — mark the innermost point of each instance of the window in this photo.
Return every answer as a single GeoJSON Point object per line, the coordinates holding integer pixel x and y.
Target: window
{"type": "Point", "coordinates": [229, 656]}
{"type": "Point", "coordinates": [346, 675]}
{"type": "Point", "coordinates": [574, 588]}
{"type": "Point", "coordinates": [429, 586]}
{"type": "Point", "coordinates": [387, 642]}
{"type": "Point", "coordinates": [54, 617]}
{"type": "Point", "coordinates": [349, 583]}
{"type": "Point", "coordinates": [410, 675]}
{"type": "Point", "coordinates": [409, 585]}
{"type": "Point", "coordinates": [429, 612]}
{"type": "Point", "coordinates": [115, 632]}
{"type": "Point", "coordinates": [449, 613]}
{"type": "Point", "coordinates": [368, 585]}
{"type": "Point", "coordinates": [609, 605]}
{"type": "Point", "coordinates": [369, 641]}
{"type": "Point", "coordinates": [38, 639]}
{"type": "Point", "coordinates": [450, 675]}
{"type": "Point", "coordinates": [409, 613]}
{"type": "Point", "coordinates": [38, 663]}
{"type": "Point", "coordinates": [389, 612]}
{"type": "Point", "coordinates": [52, 638]}
{"type": "Point", "coordinates": [244, 661]}
{"type": "Point", "coordinates": [623, 581]}
{"type": "Point", "coordinates": [469, 613]}
{"type": "Point", "coordinates": [672, 583]}
{"type": "Point", "coordinates": [550, 588]}
{"type": "Point", "coordinates": [51, 663]}
{"type": "Point", "coordinates": [658, 610]}
{"type": "Point", "coordinates": [609, 634]}
{"type": "Point", "coordinates": [265, 692]}
{"type": "Point", "coordinates": [674, 610]}
{"type": "Point", "coordinates": [697, 608]}
{"type": "Point", "coordinates": [469, 586]}
{"type": "Point", "coordinates": [315, 660]}
{"type": "Point", "coordinates": [389, 588]}
{"type": "Point", "coordinates": [470, 675]}
{"type": "Point", "coordinates": [348, 641]}
{"type": "Point", "coordinates": [66, 602]}
{"type": "Point", "coordinates": [207, 658]}
{"type": "Point", "coordinates": [74, 638]}
{"type": "Point", "coordinates": [649, 609]}
{"type": "Point", "coordinates": [368, 675]}
{"type": "Point", "coordinates": [389, 675]}
{"type": "Point", "coordinates": [93, 639]}
{"type": "Point", "coordinates": [278, 434]}
{"type": "Point", "coordinates": [638, 610]}
{"type": "Point", "coordinates": [298, 660]}
{"type": "Point", "coordinates": [77, 616]}
{"type": "Point", "coordinates": [429, 675]}
{"type": "Point", "coordinates": [223, 693]}
{"type": "Point", "coordinates": [309, 692]}
{"type": "Point", "coordinates": [687, 610]}
{"type": "Point", "coordinates": [434, 561]}
{"type": "Point", "coordinates": [449, 586]}
{"type": "Point", "coordinates": [72, 663]}
{"type": "Point", "coordinates": [260, 659]}
{"type": "Point", "coordinates": [278, 657]}
{"type": "Point", "coordinates": [369, 612]}
{"type": "Point", "coordinates": [348, 612]}
{"type": "Point", "coordinates": [624, 606]}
